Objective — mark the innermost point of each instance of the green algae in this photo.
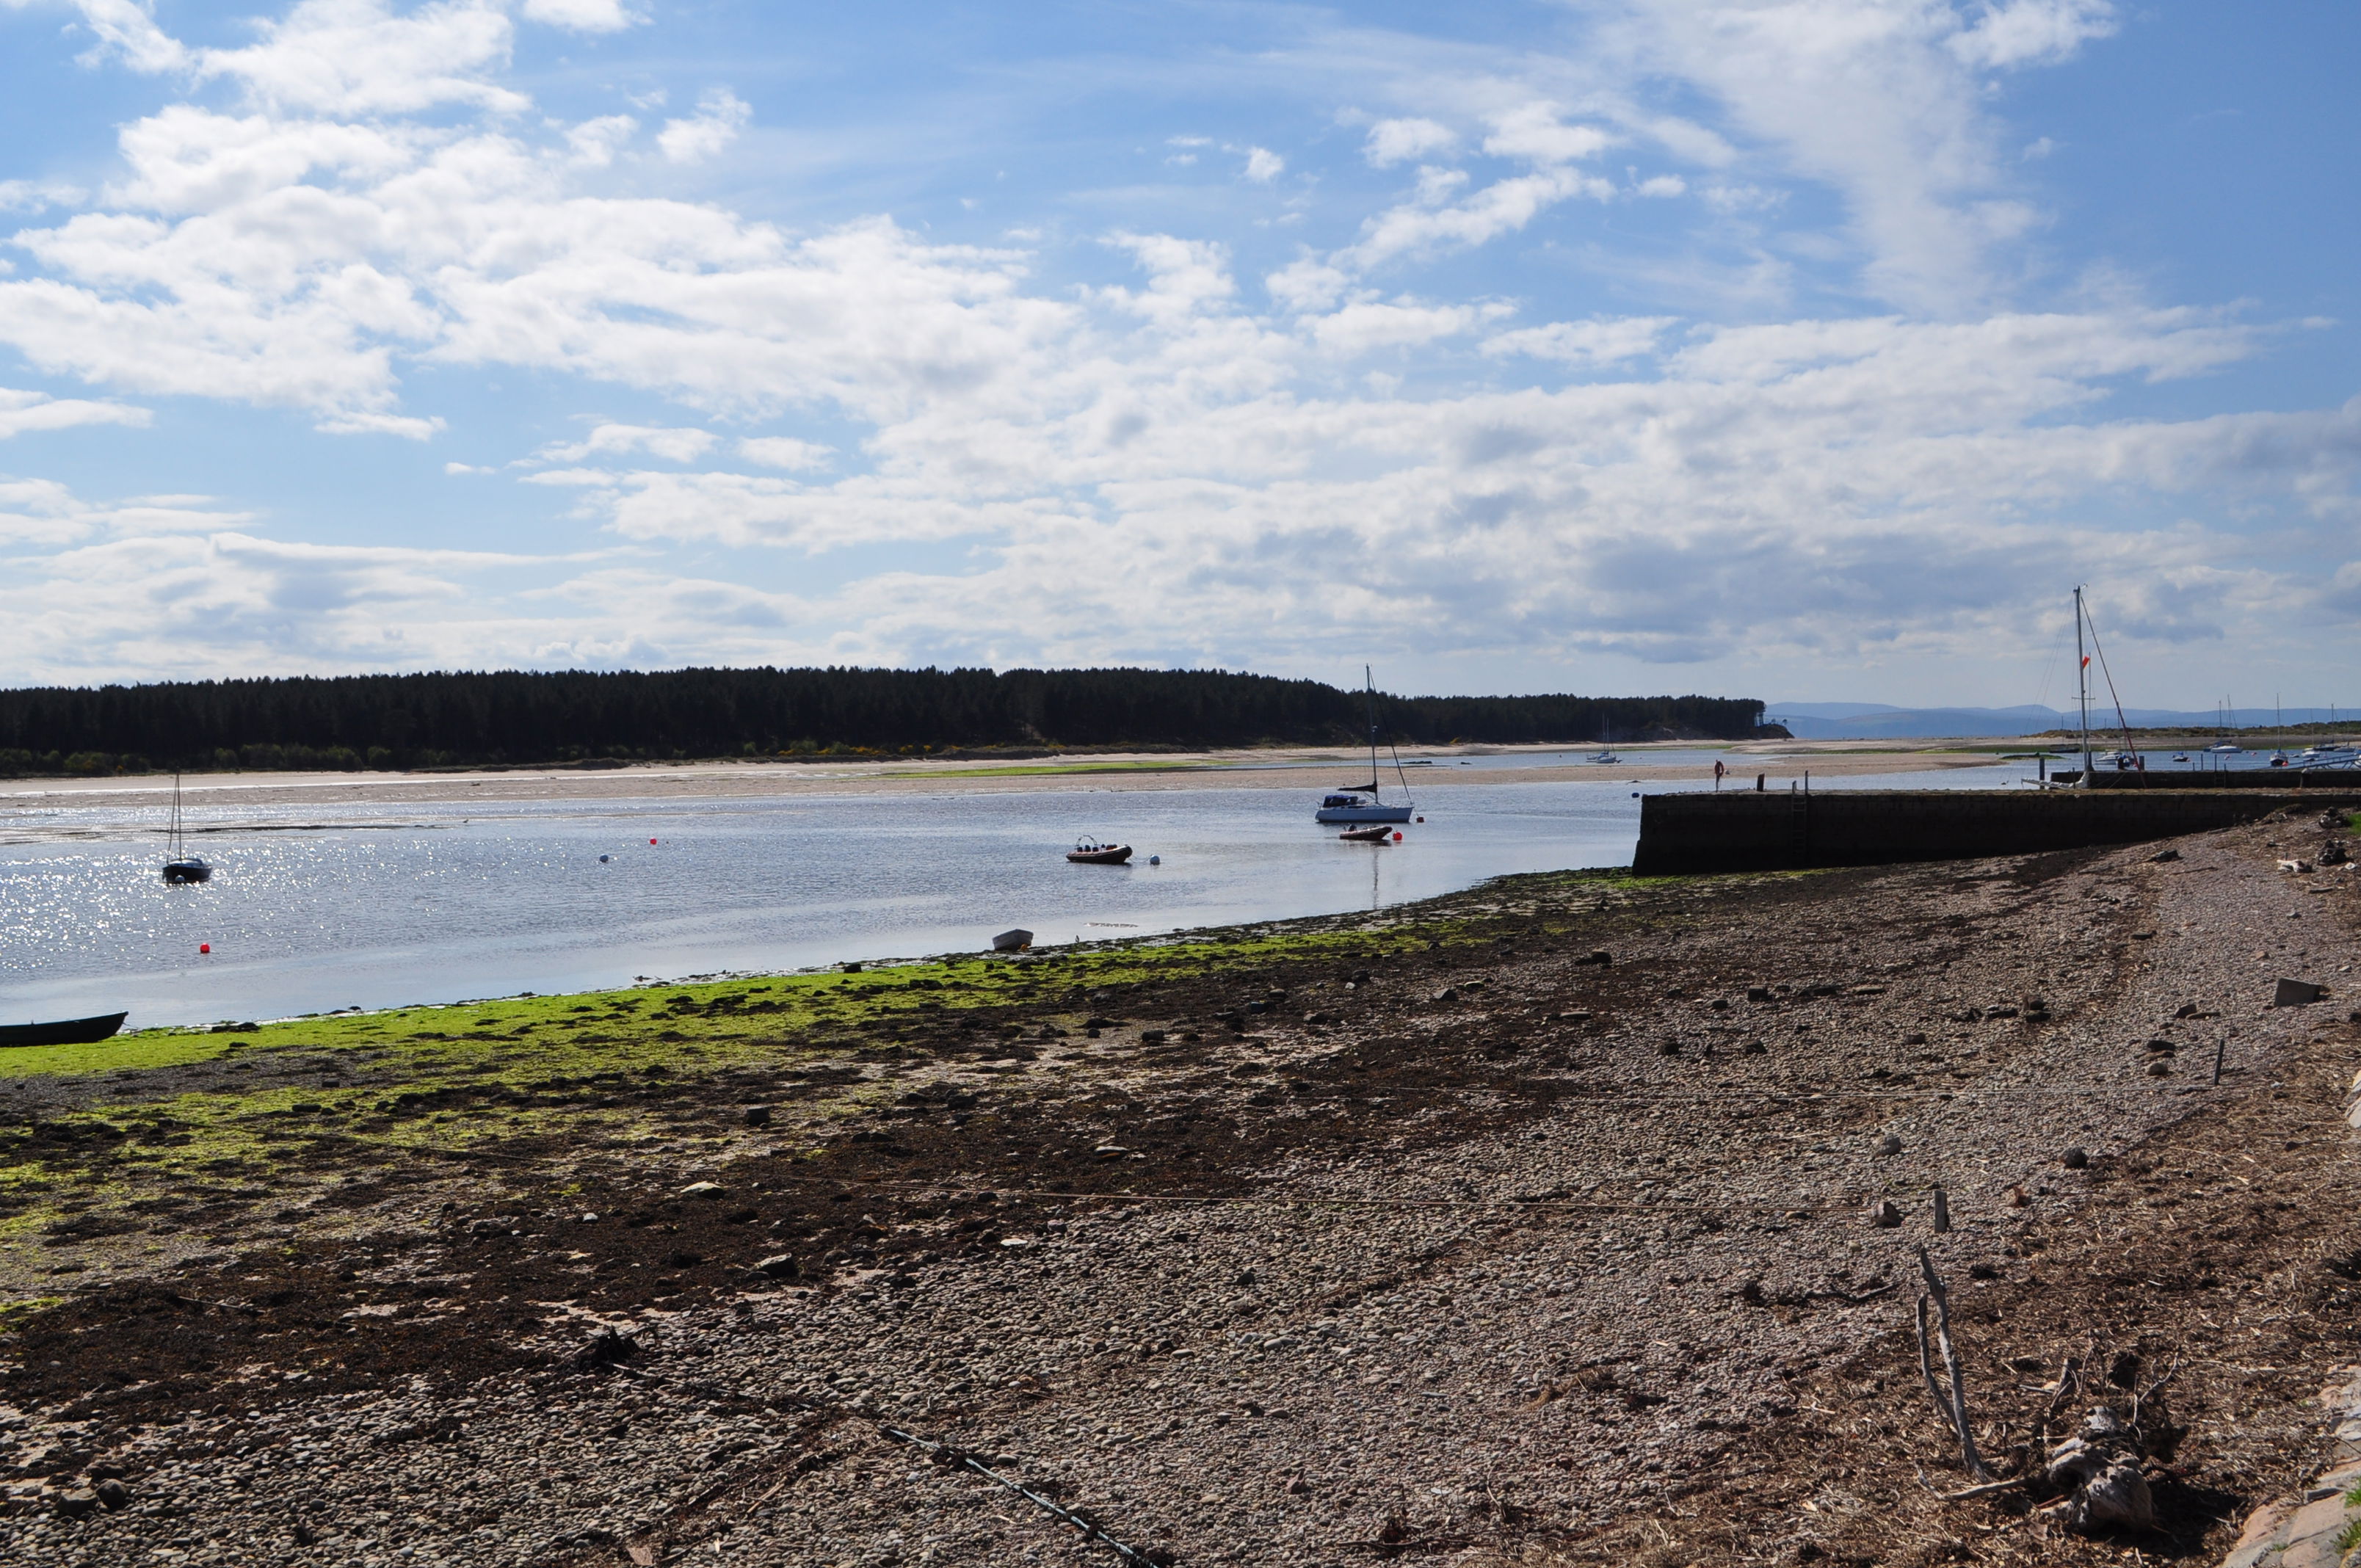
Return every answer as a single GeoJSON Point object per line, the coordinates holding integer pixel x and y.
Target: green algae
{"type": "Point", "coordinates": [166, 1116]}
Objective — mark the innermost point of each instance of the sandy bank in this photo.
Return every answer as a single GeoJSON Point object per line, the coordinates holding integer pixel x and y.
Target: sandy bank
{"type": "Point", "coordinates": [1307, 772]}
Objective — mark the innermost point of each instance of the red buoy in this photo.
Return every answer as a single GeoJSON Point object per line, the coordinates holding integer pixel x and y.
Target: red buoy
{"type": "Point", "coordinates": [652, 840]}
{"type": "Point", "coordinates": [204, 947]}
{"type": "Point", "coordinates": [1397, 836]}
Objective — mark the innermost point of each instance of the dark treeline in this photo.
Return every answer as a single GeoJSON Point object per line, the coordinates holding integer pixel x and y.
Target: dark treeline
{"type": "Point", "coordinates": [516, 717]}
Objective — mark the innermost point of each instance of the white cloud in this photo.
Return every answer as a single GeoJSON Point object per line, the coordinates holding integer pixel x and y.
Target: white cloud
{"type": "Point", "coordinates": [785, 452]}
{"type": "Point", "coordinates": [32, 195]}
{"type": "Point", "coordinates": [44, 513]}
{"type": "Point", "coordinates": [580, 15]}
{"type": "Point", "coordinates": [1263, 166]}
{"type": "Point", "coordinates": [596, 142]}
{"type": "Point", "coordinates": [1583, 343]}
{"type": "Point", "coordinates": [671, 444]}
{"type": "Point", "coordinates": [2026, 32]}
{"type": "Point", "coordinates": [1535, 133]}
{"type": "Point", "coordinates": [126, 31]}
{"type": "Point", "coordinates": [365, 423]}
{"type": "Point", "coordinates": [1367, 324]}
{"type": "Point", "coordinates": [21, 411]}
{"type": "Point", "coordinates": [1400, 141]}
{"type": "Point", "coordinates": [721, 115]}
{"type": "Point", "coordinates": [361, 57]}
{"type": "Point", "coordinates": [1244, 483]}
{"type": "Point", "coordinates": [1500, 208]}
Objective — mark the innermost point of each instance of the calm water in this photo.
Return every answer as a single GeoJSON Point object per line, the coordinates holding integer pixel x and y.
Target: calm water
{"type": "Point", "coordinates": [444, 902]}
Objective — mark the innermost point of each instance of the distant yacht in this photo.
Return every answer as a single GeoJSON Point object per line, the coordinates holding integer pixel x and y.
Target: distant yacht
{"type": "Point", "coordinates": [1606, 754]}
{"type": "Point", "coordinates": [1362, 802]}
{"type": "Point", "coordinates": [180, 864]}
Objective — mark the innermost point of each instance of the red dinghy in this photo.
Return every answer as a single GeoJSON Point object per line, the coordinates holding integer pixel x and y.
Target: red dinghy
{"type": "Point", "coordinates": [1091, 852]}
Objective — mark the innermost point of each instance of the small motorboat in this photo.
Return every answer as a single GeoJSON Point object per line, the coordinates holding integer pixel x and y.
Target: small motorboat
{"type": "Point", "coordinates": [64, 1032]}
{"type": "Point", "coordinates": [1374, 834]}
{"type": "Point", "coordinates": [1014, 941]}
{"type": "Point", "coordinates": [1091, 852]}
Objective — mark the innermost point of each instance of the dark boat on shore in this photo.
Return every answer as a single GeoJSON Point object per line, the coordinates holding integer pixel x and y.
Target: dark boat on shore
{"type": "Point", "coordinates": [64, 1032]}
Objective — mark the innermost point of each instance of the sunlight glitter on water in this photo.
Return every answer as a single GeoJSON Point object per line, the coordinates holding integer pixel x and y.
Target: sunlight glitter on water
{"type": "Point", "coordinates": [409, 903]}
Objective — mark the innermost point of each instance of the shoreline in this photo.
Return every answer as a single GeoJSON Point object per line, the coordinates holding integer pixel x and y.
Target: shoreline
{"type": "Point", "coordinates": [1290, 769]}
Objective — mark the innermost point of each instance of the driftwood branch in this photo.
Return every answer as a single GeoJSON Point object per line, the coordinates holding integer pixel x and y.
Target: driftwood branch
{"type": "Point", "coordinates": [1986, 1490]}
{"type": "Point", "coordinates": [954, 1457]}
{"type": "Point", "coordinates": [1955, 1409]}
{"type": "Point", "coordinates": [2140, 1399]}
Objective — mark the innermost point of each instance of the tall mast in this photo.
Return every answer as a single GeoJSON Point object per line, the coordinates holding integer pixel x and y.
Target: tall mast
{"type": "Point", "coordinates": [2082, 685]}
{"type": "Point", "coordinates": [1369, 684]}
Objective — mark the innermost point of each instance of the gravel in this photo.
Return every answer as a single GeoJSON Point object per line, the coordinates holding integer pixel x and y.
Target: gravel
{"type": "Point", "coordinates": [1640, 1296]}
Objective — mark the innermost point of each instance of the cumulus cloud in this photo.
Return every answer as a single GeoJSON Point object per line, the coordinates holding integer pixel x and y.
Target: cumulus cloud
{"type": "Point", "coordinates": [361, 57]}
{"type": "Point", "coordinates": [1400, 141]}
{"type": "Point", "coordinates": [1583, 343]}
{"type": "Point", "coordinates": [2028, 32]}
{"type": "Point", "coordinates": [671, 444]}
{"type": "Point", "coordinates": [785, 452]}
{"type": "Point", "coordinates": [1263, 166]}
{"type": "Point", "coordinates": [22, 410]}
{"type": "Point", "coordinates": [580, 15]}
{"type": "Point", "coordinates": [721, 115]}
{"type": "Point", "coordinates": [1241, 482]}
{"type": "Point", "coordinates": [1537, 132]}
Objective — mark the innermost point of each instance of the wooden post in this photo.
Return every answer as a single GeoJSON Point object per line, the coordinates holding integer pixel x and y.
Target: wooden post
{"type": "Point", "coordinates": [2221, 1043]}
{"type": "Point", "coordinates": [1942, 1212]}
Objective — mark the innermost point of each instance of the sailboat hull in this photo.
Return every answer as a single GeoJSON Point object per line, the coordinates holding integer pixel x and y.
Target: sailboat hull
{"type": "Point", "coordinates": [1369, 813]}
{"type": "Point", "coordinates": [187, 870]}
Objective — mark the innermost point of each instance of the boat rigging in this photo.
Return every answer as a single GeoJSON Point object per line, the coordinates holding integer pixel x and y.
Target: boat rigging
{"type": "Point", "coordinates": [1363, 803]}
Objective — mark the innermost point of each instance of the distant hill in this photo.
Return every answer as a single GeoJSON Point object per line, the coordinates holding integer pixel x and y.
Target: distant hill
{"type": "Point", "coordinates": [1872, 721]}
{"type": "Point", "coordinates": [470, 719]}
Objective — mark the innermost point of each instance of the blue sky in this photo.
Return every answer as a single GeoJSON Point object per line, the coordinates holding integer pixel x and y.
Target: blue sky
{"type": "Point", "coordinates": [1799, 350]}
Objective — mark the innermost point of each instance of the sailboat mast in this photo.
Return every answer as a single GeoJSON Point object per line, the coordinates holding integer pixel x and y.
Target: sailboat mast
{"type": "Point", "coordinates": [1369, 684]}
{"type": "Point", "coordinates": [2082, 685]}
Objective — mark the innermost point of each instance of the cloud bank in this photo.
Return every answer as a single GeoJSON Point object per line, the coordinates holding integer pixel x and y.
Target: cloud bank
{"type": "Point", "coordinates": [1342, 451]}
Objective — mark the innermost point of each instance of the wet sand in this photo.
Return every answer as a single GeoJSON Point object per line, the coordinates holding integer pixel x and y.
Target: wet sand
{"type": "Point", "coordinates": [1302, 770]}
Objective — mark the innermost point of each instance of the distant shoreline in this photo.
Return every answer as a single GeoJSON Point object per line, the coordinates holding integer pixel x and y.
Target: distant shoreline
{"type": "Point", "coordinates": [1290, 768]}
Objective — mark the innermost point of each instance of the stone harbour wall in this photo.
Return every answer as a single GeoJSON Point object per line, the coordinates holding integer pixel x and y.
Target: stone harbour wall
{"type": "Point", "coordinates": [1747, 830]}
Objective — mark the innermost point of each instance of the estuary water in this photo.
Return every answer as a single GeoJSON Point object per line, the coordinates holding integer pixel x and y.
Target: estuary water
{"type": "Point", "coordinates": [383, 905]}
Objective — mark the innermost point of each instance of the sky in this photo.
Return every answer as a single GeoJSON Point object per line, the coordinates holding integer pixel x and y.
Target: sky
{"type": "Point", "coordinates": [1798, 349]}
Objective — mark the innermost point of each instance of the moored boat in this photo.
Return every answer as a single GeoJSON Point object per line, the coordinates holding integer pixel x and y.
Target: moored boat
{"type": "Point", "coordinates": [1375, 834]}
{"type": "Point", "coordinates": [180, 865]}
{"type": "Point", "coordinates": [1362, 802]}
{"type": "Point", "coordinates": [63, 1032]}
{"type": "Point", "coordinates": [1091, 852]}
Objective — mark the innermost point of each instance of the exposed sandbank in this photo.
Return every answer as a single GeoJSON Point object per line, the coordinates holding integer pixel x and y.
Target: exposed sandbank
{"type": "Point", "coordinates": [1293, 769]}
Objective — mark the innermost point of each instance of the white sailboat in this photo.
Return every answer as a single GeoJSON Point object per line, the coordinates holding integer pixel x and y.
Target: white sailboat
{"type": "Point", "coordinates": [1606, 754]}
{"type": "Point", "coordinates": [1362, 802]}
